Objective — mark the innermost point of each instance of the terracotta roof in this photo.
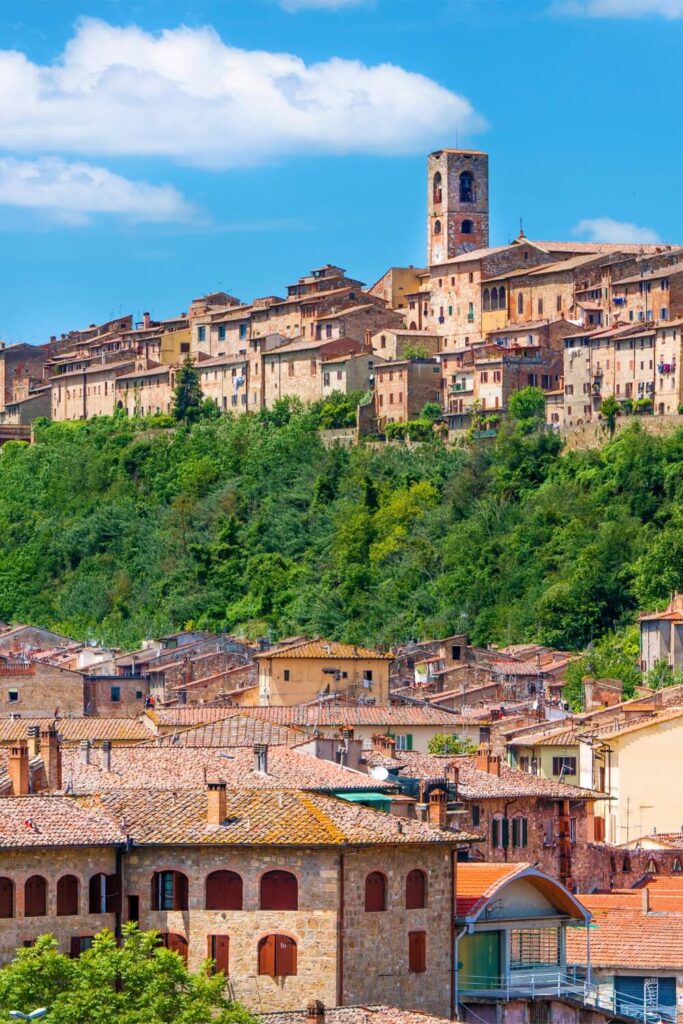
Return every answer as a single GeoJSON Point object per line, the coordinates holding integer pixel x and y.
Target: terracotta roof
{"type": "Point", "coordinates": [651, 275]}
{"type": "Point", "coordinates": [237, 731]}
{"type": "Point", "coordinates": [72, 730]}
{"type": "Point", "coordinates": [185, 716]}
{"type": "Point", "coordinates": [477, 883]}
{"type": "Point", "coordinates": [354, 1015]}
{"type": "Point", "coordinates": [563, 737]}
{"type": "Point", "coordinates": [476, 784]}
{"type": "Point", "coordinates": [621, 935]}
{"type": "Point", "coordinates": [37, 821]}
{"type": "Point", "coordinates": [324, 649]}
{"type": "Point", "coordinates": [338, 715]}
{"type": "Point", "coordinates": [152, 371]}
{"type": "Point", "coordinates": [172, 767]}
{"type": "Point", "coordinates": [264, 818]}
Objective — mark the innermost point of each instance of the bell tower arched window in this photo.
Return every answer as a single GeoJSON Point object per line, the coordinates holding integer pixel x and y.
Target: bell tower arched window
{"type": "Point", "coordinates": [437, 189]}
{"type": "Point", "coordinates": [466, 187]}
{"type": "Point", "coordinates": [467, 227]}
{"type": "Point", "coordinates": [437, 227]}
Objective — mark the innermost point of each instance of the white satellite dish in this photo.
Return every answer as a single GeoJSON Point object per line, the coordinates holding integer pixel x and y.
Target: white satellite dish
{"type": "Point", "coordinates": [380, 772]}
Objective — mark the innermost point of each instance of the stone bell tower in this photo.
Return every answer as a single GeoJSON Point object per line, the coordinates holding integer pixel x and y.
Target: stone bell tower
{"type": "Point", "coordinates": [457, 203]}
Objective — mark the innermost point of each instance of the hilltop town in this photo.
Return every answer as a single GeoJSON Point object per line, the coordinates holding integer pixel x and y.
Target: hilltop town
{"type": "Point", "coordinates": [582, 321]}
{"type": "Point", "coordinates": [333, 780]}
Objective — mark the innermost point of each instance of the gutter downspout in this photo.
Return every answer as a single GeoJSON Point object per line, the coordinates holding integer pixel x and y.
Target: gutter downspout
{"type": "Point", "coordinates": [456, 940]}
{"type": "Point", "coordinates": [119, 875]}
{"type": "Point", "coordinates": [340, 935]}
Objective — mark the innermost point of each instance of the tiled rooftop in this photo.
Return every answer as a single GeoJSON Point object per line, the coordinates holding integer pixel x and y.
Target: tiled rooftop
{"type": "Point", "coordinates": [172, 767]}
{"type": "Point", "coordinates": [236, 731]}
{"type": "Point", "coordinates": [37, 821]}
{"type": "Point", "coordinates": [476, 883]}
{"type": "Point", "coordinates": [334, 714]}
{"type": "Point", "coordinates": [354, 1015]}
{"type": "Point", "coordinates": [72, 730]}
{"type": "Point", "coordinates": [623, 936]}
{"type": "Point", "coordinates": [264, 817]}
{"type": "Point", "coordinates": [323, 649]}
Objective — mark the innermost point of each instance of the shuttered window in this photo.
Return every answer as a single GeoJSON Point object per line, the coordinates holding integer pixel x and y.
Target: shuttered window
{"type": "Point", "coordinates": [277, 956]}
{"type": "Point", "coordinates": [416, 890]}
{"type": "Point", "coordinates": [219, 952]}
{"type": "Point", "coordinates": [417, 952]}
{"type": "Point", "coordinates": [79, 944]}
{"type": "Point", "coordinates": [177, 943]}
{"type": "Point", "coordinates": [104, 894]}
{"type": "Point", "coordinates": [67, 895]}
{"type": "Point", "coordinates": [35, 897]}
{"type": "Point", "coordinates": [169, 890]}
{"type": "Point", "coordinates": [6, 897]}
{"type": "Point", "coordinates": [279, 891]}
{"type": "Point", "coordinates": [224, 891]}
{"type": "Point", "coordinates": [375, 892]}
{"type": "Point", "coordinates": [500, 833]}
{"type": "Point", "coordinates": [520, 831]}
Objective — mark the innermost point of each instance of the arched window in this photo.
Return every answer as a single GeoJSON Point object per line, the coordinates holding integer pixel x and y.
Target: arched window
{"type": "Point", "coordinates": [6, 897]}
{"type": "Point", "coordinates": [35, 897]}
{"type": "Point", "coordinates": [437, 192]}
{"type": "Point", "coordinates": [375, 891]}
{"type": "Point", "coordinates": [520, 304]}
{"type": "Point", "coordinates": [104, 894]}
{"type": "Point", "coordinates": [501, 297]}
{"type": "Point", "coordinates": [169, 890]}
{"type": "Point", "coordinates": [487, 300]}
{"type": "Point", "coordinates": [223, 891]}
{"type": "Point", "coordinates": [494, 298]}
{"type": "Point", "coordinates": [277, 956]}
{"type": "Point", "coordinates": [413, 326]}
{"type": "Point", "coordinates": [652, 868]}
{"type": "Point", "coordinates": [383, 341]}
{"type": "Point", "coordinates": [626, 865]}
{"type": "Point", "coordinates": [466, 187]}
{"type": "Point", "coordinates": [676, 867]}
{"type": "Point", "coordinates": [416, 890]}
{"type": "Point", "coordinates": [67, 895]}
{"type": "Point", "coordinates": [612, 866]}
{"type": "Point", "coordinates": [467, 227]}
{"type": "Point", "coordinates": [279, 891]}
{"type": "Point", "coordinates": [437, 227]}
{"type": "Point", "coordinates": [178, 943]}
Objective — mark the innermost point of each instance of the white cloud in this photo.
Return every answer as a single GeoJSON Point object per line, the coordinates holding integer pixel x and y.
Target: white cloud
{"type": "Point", "coordinates": [321, 5]}
{"type": "Point", "coordinates": [71, 191]}
{"type": "Point", "coordinates": [605, 229]}
{"type": "Point", "coordinates": [621, 8]}
{"type": "Point", "coordinates": [186, 95]}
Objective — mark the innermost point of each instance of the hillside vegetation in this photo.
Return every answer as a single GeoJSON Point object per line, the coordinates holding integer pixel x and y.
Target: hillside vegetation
{"type": "Point", "coordinates": [117, 530]}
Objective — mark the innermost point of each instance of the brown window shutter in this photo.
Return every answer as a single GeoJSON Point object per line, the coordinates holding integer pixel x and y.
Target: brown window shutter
{"type": "Point", "coordinates": [113, 894]}
{"type": "Point", "coordinates": [75, 947]}
{"type": "Point", "coordinates": [417, 959]}
{"type": "Point", "coordinates": [266, 956]}
{"type": "Point", "coordinates": [375, 892]}
{"type": "Point", "coordinates": [35, 897]}
{"type": "Point", "coordinates": [154, 894]}
{"type": "Point", "coordinates": [67, 895]}
{"type": "Point", "coordinates": [279, 891]}
{"type": "Point", "coordinates": [6, 898]}
{"type": "Point", "coordinates": [221, 953]}
{"type": "Point", "coordinates": [224, 891]}
{"type": "Point", "coordinates": [416, 886]}
{"type": "Point", "coordinates": [285, 956]}
{"type": "Point", "coordinates": [179, 891]}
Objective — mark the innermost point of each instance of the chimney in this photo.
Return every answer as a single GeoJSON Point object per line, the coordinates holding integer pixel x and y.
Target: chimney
{"type": "Point", "coordinates": [18, 769]}
{"type": "Point", "coordinates": [261, 758]}
{"type": "Point", "coordinates": [487, 762]}
{"type": "Point", "coordinates": [385, 745]}
{"type": "Point", "coordinates": [106, 755]}
{"type": "Point", "coordinates": [315, 1012]}
{"type": "Point", "coordinates": [85, 751]}
{"type": "Point", "coordinates": [453, 773]}
{"type": "Point", "coordinates": [436, 809]}
{"type": "Point", "coordinates": [33, 741]}
{"type": "Point", "coordinates": [216, 803]}
{"type": "Point", "coordinates": [645, 905]}
{"type": "Point", "coordinates": [52, 757]}
{"type": "Point", "coordinates": [146, 320]}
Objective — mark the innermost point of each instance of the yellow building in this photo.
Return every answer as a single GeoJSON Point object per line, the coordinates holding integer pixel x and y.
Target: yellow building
{"type": "Point", "coordinates": [301, 671]}
{"type": "Point", "coordinates": [175, 346]}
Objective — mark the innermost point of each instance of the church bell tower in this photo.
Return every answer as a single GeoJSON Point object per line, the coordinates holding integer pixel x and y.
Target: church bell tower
{"type": "Point", "coordinates": [457, 203]}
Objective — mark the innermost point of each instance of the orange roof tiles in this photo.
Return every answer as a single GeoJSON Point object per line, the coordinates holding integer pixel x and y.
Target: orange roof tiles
{"type": "Point", "coordinates": [623, 936]}
{"type": "Point", "coordinates": [72, 730]}
{"type": "Point", "coordinates": [46, 821]}
{"type": "Point", "coordinates": [476, 883]}
{"type": "Point", "coordinates": [324, 649]}
{"type": "Point", "coordinates": [334, 714]}
{"type": "Point", "coordinates": [236, 731]}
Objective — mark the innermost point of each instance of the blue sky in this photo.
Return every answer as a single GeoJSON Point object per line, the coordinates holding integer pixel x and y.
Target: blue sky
{"type": "Point", "coordinates": [153, 151]}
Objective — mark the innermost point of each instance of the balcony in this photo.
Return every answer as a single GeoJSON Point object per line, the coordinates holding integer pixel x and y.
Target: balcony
{"type": "Point", "coordinates": [459, 389]}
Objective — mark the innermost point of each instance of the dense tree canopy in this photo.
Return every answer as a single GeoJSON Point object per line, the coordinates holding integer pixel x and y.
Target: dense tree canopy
{"type": "Point", "coordinates": [119, 529]}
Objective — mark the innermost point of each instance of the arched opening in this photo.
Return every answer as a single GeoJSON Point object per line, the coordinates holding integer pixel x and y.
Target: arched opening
{"type": "Point", "coordinates": [169, 890]}
{"type": "Point", "coordinates": [676, 867]}
{"type": "Point", "coordinates": [626, 865]}
{"type": "Point", "coordinates": [437, 191]}
{"type": "Point", "coordinates": [416, 890]}
{"type": "Point", "coordinates": [103, 894]}
{"type": "Point", "coordinates": [177, 943]}
{"type": "Point", "coordinates": [467, 227]}
{"type": "Point", "coordinates": [277, 956]}
{"type": "Point", "coordinates": [413, 326]}
{"type": "Point", "coordinates": [487, 300]}
{"type": "Point", "coordinates": [612, 866]}
{"type": "Point", "coordinates": [520, 304]}
{"type": "Point", "coordinates": [6, 897]}
{"type": "Point", "coordinates": [223, 891]}
{"type": "Point", "coordinates": [279, 891]}
{"type": "Point", "coordinates": [375, 892]}
{"type": "Point", "coordinates": [67, 895]}
{"type": "Point", "coordinates": [437, 227]}
{"type": "Point", "coordinates": [494, 298]}
{"type": "Point", "coordinates": [501, 297]}
{"type": "Point", "coordinates": [652, 868]}
{"type": "Point", "coordinates": [466, 187]}
{"type": "Point", "coordinates": [35, 897]}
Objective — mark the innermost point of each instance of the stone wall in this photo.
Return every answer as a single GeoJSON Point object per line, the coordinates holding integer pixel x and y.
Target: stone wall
{"type": "Point", "coordinates": [39, 690]}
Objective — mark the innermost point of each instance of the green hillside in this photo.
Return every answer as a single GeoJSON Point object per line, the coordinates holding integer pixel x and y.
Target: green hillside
{"type": "Point", "coordinates": [118, 530]}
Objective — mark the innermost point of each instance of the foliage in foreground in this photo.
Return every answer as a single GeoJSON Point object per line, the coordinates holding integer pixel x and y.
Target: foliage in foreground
{"type": "Point", "coordinates": [118, 529]}
{"type": "Point", "coordinates": [442, 743]}
{"type": "Point", "coordinates": [137, 982]}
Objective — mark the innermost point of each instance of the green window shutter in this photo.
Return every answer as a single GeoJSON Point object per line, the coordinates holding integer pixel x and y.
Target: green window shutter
{"type": "Point", "coordinates": [495, 833]}
{"type": "Point", "coordinates": [409, 741]}
{"type": "Point", "coordinates": [506, 833]}
{"type": "Point", "coordinates": [525, 831]}
{"type": "Point", "coordinates": [515, 832]}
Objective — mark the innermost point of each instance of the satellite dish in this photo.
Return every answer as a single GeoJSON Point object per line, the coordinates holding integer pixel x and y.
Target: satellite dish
{"type": "Point", "coordinates": [380, 773]}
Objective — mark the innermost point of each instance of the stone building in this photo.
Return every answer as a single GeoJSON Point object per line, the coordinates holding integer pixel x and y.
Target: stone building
{"type": "Point", "coordinates": [392, 343]}
{"type": "Point", "coordinates": [457, 203]}
{"type": "Point", "coordinates": [298, 672]}
{"type": "Point", "coordinates": [348, 373]}
{"type": "Point", "coordinates": [90, 391]}
{"type": "Point", "coordinates": [146, 390]}
{"type": "Point", "coordinates": [403, 387]}
{"type": "Point", "coordinates": [225, 380]}
{"type": "Point", "coordinates": [295, 369]}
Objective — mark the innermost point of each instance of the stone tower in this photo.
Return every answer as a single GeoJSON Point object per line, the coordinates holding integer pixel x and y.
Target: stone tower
{"type": "Point", "coordinates": [457, 203]}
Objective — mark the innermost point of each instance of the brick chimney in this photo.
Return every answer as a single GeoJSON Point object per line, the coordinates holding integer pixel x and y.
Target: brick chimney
{"type": "Point", "coordinates": [315, 1012]}
{"type": "Point", "coordinates": [52, 757]}
{"type": "Point", "coordinates": [33, 733]}
{"type": "Point", "coordinates": [487, 762]}
{"type": "Point", "coordinates": [436, 808]}
{"type": "Point", "coordinates": [106, 755]}
{"type": "Point", "coordinates": [146, 320]}
{"type": "Point", "coordinates": [384, 745]}
{"type": "Point", "coordinates": [261, 758]}
{"type": "Point", "coordinates": [216, 802]}
{"type": "Point", "coordinates": [85, 751]}
{"type": "Point", "coordinates": [645, 895]}
{"type": "Point", "coordinates": [18, 769]}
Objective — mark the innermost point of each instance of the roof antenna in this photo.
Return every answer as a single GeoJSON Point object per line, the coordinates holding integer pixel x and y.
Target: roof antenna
{"type": "Point", "coordinates": [521, 228]}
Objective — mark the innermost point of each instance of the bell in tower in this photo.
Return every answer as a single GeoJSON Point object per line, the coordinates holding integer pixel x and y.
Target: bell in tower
{"type": "Point", "coordinates": [457, 203]}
